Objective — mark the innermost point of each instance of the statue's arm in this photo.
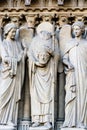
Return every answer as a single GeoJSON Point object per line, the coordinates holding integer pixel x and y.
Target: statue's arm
{"type": "Point", "coordinates": [20, 56]}
{"type": "Point", "coordinates": [4, 55]}
{"type": "Point", "coordinates": [34, 60]}
{"type": "Point", "coordinates": [66, 61]}
{"type": "Point", "coordinates": [39, 64]}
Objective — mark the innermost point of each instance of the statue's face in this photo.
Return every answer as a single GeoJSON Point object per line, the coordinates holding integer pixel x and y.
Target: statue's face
{"type": "Point", "coordinates": [77, 31]}
{"type": "Point", "coordinates": [45, 35]}
{"type": "Point", "coordinates": [43, 57]}
{"type": "Point", "coordinates": [12, 34]}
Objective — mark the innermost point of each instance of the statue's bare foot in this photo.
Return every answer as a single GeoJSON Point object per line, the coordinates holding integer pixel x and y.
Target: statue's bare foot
{"type": "Point", "coordinates": [36, 124]}
{"type": "Point", "coordinates": [81, 125]}
{"type": "Point", "coordinates": [11, 124]}
{"type": "Point", "coordinates": [67, 126]}
{"type": "Point", "coordinates": [64, 125]}
{"type": "Point", "coordinates": [47, 124]}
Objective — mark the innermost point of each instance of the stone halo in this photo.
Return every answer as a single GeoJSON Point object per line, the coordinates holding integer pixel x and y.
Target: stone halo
{"type": "Point", "coordinates": [45, 26]}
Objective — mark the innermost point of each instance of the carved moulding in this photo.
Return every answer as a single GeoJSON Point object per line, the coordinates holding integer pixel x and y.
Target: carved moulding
{"type": "Point", "coordinates": [35, 18]}
{"type": "Point", "coordinates": [4, 9]}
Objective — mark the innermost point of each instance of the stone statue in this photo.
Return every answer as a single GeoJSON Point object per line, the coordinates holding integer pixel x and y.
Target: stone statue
{"type": "Point", "coordinates": [25, 35]}
{"type": "Point", "coordinates": [11, 79]}
{"type": "Point", "coordinates": [27, 2]}
{"type": "Point", "coordinates": [60, 2]}
{"type": "Point", "coordinates": [75, 61]}
{"type": "Point", "coordinates": [14, 3]}
{"type": "Point", "coordinates": [43, 54]}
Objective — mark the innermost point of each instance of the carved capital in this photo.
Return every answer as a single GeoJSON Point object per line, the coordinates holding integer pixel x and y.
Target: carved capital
{"type": "Point", "coordinates": [63, 20]}
{"type": "Point", "coordinates": [30, 20]}
{"type": "Point", "coordinates": [79, 18]}
{"type": "Point", "coordinates": [47, 18]}
{"type": "Point", "coordinates": [15, 20]}
{"type": "Point", "coordinates": [5, 19]}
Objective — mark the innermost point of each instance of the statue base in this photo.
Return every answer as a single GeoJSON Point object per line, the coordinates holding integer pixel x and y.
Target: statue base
{"type": "Point", "coordinates": [73, 129]}
{"type": "Point", "coordinates": [24, 125]}
{"type": "Point", "coordinates": [40, 128]}
{"type": "Point", "coordinates": [5, 127]}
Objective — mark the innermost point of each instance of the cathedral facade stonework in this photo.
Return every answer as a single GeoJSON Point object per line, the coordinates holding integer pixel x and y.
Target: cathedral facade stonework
{"type": "Point", "coordinates": [36, 29]}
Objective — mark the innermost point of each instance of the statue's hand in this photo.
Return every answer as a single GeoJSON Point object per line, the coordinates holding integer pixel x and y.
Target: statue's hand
{"type": "Point", "coordinates": [20, 56]}
{"type": "Point", "coordinates": [73, 89]}
{"type": "Point", "coordinates": [25, 52]}
{"type": "Point", "coordinates": [39, 64]}
{"type": "Point", "coordinates": [7, 60]}
{"type": "Point", "coordinates": [70, 66]}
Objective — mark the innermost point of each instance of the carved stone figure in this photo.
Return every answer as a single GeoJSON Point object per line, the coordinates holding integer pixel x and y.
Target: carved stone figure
{"type": "Point", "coordinates": [14, 3]}
{"type": "Point", "coordinates": [60, 2]}
{"type": "Point", "coordinates": [75, 60]}
{"type": "Point", "coordinates": [43, 54]}
{"type": "Point", "coordinates": [26, 35]}
{"type": "Point", "coordinates": [11, 79]}
{"type": "Point", "coordinates": [27, 2]}
{"type": "Point", "coordinates": [81, 3]}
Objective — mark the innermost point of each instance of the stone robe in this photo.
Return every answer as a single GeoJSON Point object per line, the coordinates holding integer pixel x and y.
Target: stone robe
{"type": "Point", "coordinates": [76, 84]}
{"type": "Point", "coordinates": [42, 81]}
{"type": "Point", "coordinates": [11, 81]}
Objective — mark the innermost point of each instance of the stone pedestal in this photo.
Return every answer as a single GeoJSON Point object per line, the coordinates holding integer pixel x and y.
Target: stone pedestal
{"type": "Point", "coordinates": [59, 124]}
{"type": "Point", "coordinates": [23, 125]}
{"type": "Point", "coordinates": [4, 127]}
{"type": "Point", "coordinates": [72, 129]}
{"type": "Point", "coordinates": [40, 128]}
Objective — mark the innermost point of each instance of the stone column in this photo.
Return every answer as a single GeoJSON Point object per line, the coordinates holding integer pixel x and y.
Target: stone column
{"type": "Point", "coordinates": [61, 97]}
{"type": "Point", "coordinates": [24, 110]}
{"type": "Point", "coordinates": [27, 105]}
{"type": "Point", "coordinates": [25, 122]}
